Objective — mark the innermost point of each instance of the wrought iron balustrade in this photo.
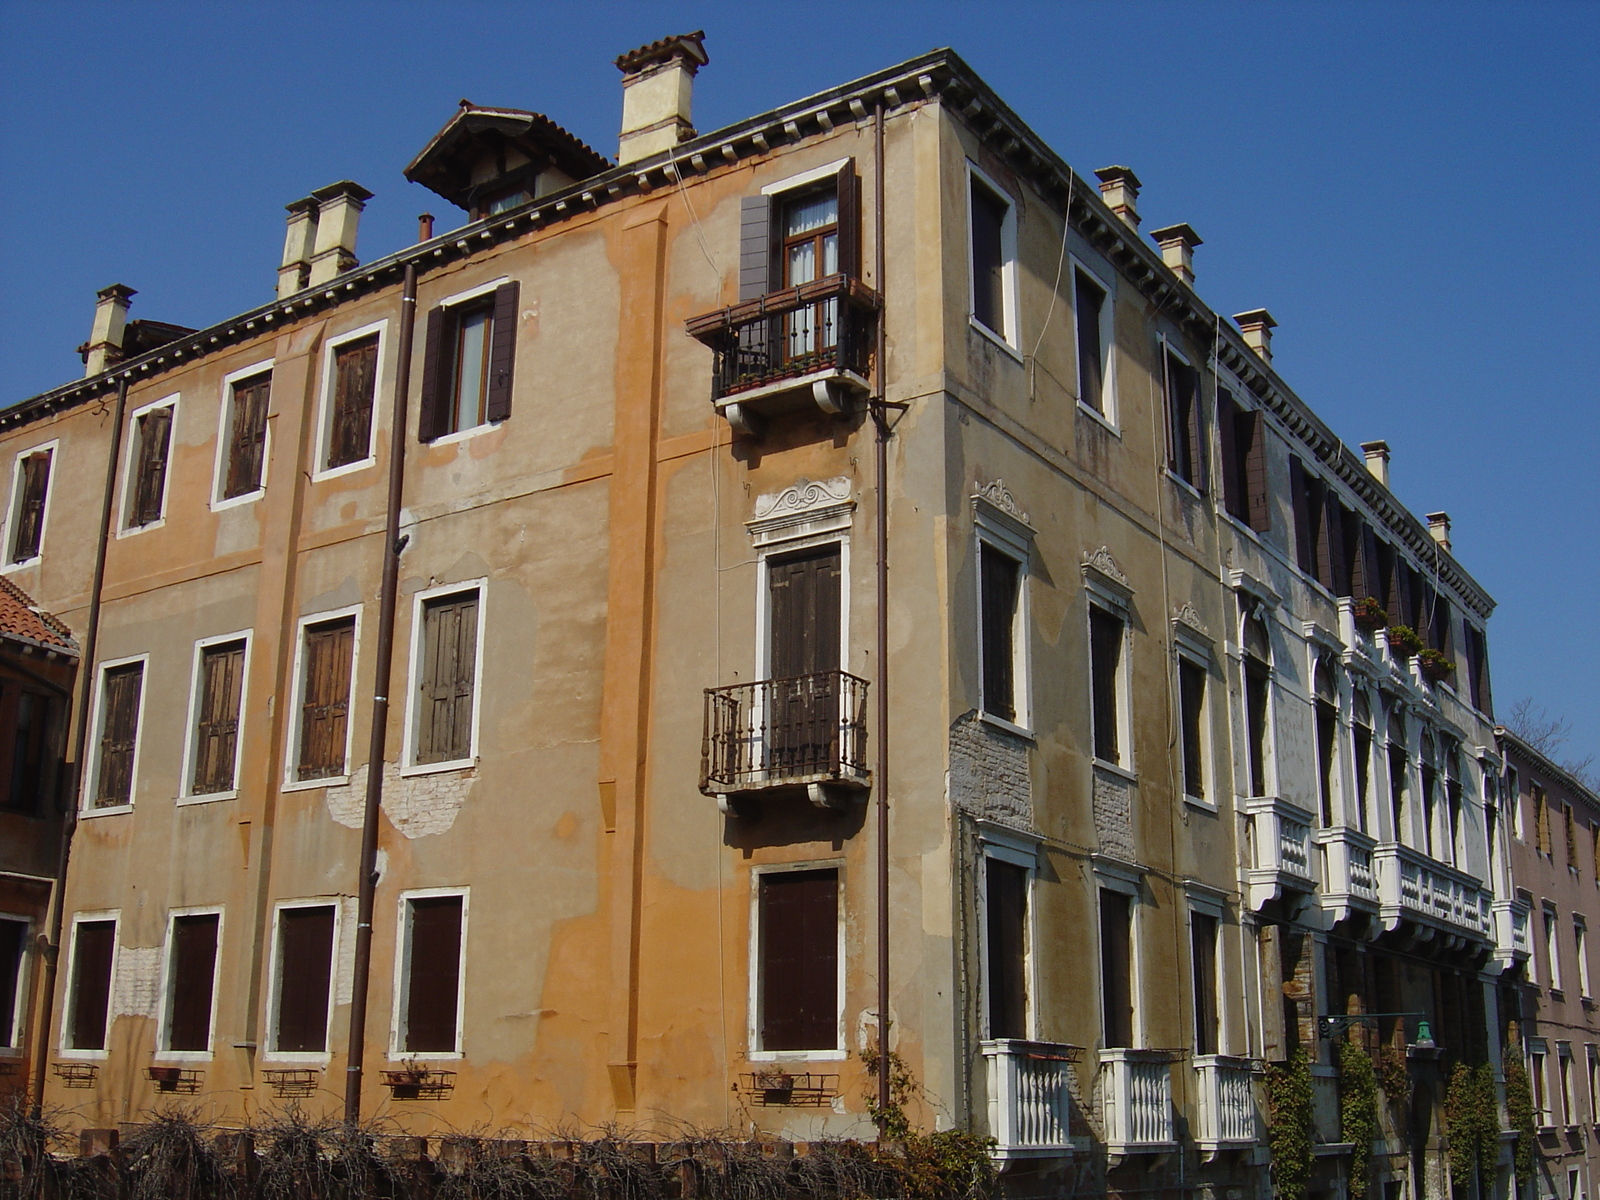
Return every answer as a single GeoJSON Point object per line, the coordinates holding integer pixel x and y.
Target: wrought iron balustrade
{"type": "Point", "coordinates": [808, 729]}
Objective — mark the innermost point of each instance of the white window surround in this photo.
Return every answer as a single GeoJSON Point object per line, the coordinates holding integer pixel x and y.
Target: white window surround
{"type": "Point", "coordinates": [753, 1023]}
{"type": "Point", "coordinates": [1007, 340]}
{"type": "Point", "coordinates": [129, 481]}
{"type": "Point", "coordinates": [325, 406]}
{"type": "Point", "coordinates": [476, 292]}
{"type": "Point", "coordinates": [1000, 523]}
{"type": "Point", "coordinates": [1000, 844]}
{"type": "Point", "coordinates": [186, 792]}
{"type": "Point", "coordinates": [1127, 879]}
{"type": "Point", "coordinates": [1206, 902]}
{"type": "Point", "coordinates": [402, 971]}
{"type": "Point", "coordinates": [1580, 939]}
{"type": "Point", "coordinates": [1111, 418]}
{"type": "Point", "coordinates": [164, 1013]}
{"type": "Point", "coordinates": [219, 473]}
{"type": "Point", "coordinates": [805, 515]}
{"type": "Point", "coordinates": [69, 995]}
{"type": "Point", "coordinates": [805, 178]}
{"type": "Point", "coordinates": [12, 1046]}
{"type": "Point", "coordinates": [1552, 946]}
{"type": "Point", "coordinates": [297, 689]}
{"type": "Point", "coordinates": [53, 448]}
{"type": "Point", "coordinates": [413, 677]}
{"type": "Point", "coordinates": [270, 1052]}
{"type": "Point", "coordinates": [1112, 596]}
{"type": "Point", "coordinates": [1188, 647]}
{"type": "Point", "coordinates": [91, 777]}
{"type": "Point", "coordinates": [1203, 451]}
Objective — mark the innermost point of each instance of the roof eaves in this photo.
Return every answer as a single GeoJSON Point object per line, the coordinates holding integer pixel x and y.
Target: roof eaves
{"type": "Point", "coordinates": [1549, 766]}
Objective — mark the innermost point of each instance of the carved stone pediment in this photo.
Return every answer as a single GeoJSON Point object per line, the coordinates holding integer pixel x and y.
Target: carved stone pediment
{"type": "Point", "coordinates": [804, 508]}
{"type": "Point", "coordinates": [1185, 614]}
{"type": "Point", "coordinates": [996, 494]}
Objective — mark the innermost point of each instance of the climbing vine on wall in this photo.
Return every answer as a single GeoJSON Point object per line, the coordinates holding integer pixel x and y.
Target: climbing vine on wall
{"type": "Point", "coordinates": [1394, 1076]}
{"type": "Point", "coordinates": [1289, 1129]}
{"type": "Point", "coordinates": [1519, 1113]}
{"type": "Point", "coordinates": [1472, 1122]}
{"type": "Point", "coordinates": [1358, 1112]}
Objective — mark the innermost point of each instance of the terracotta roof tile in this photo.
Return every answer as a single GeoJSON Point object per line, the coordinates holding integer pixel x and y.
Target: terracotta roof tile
{"type": "Point", "coordinates": [20, 619]}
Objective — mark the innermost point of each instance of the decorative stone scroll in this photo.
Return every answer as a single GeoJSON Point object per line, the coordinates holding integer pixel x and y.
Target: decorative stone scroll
{"type": "Point", "coordinates": [805, 508]}
{"type": "Point", "coordinates": [1101, 561]}
{"type": "Point", "coordinates": [996, 494]}
{"type": "Point", "coordinates": [1185, 614]}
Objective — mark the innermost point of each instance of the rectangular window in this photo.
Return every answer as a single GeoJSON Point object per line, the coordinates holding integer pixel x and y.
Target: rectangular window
{"type": "Point", "coordinates": [989, 215]}
{"type": "Point", "coordinates": [305, 972]}
{"type": "Point", "coordinates": [328, 658]}
{"type": "Point", "coordinates": [355, 384]}
{"type": "Point", "coordinates": [1592, 1058]}
{"type": "Point", "coordinates": [1541, 820]}
{"type": "Point", "coordinates": [246, 435]}
{"type": "Point", "coordinates": [121, 690]}
{"type": "Point", "coordinates": [1184, 455]}
{"type": "Point", "coordinates": [152, 434]}
{"type": "Point", "coordinates": [1574, 1183]}
{"type": "Point", "coordinates": [1089, 304]}
{"type": "Point", "coordinates": [94, 950]}
{"type": "Point", "coordinates": [29, 490]}
{"type": "Point", "coordinates": [431, 995]}
{"type": "Point", "coordinates": [191, 981]}
{"type": "Point", "coordinates": [1257, 699]}
{"type": "Point", "coordinates": [1105, 666]}
{"type": "Point", "coordinates": [1362, 738]}
{"type": "Point", "coordinates": [468, 356]}
{"type": "Point", "coordinates": [1203, 964]}
{"type": "Point", "coordinates": [1191, 715]}
{"type": "Point", "coordinates": [1572, 837]}
{"type": "Point", "coordinates": [1552, 954]}
{"type": "Point", "coordinates": [798, 959]}
{"type": "Point", "coordinates": [446, 680]}
{"type": "Point", "coordinates": [1580, 945]}
{"type": "Point", "coordinates": [1541, 1100]}
{"type": "Point", "coordinates": [1569, 1106]}
{"type": "Point", "coordinates": [1001, 579]}
{"type": "Point", "coordinates": [1327, 753]}
{"type": "Point", "coordinates": [1006, 926]}
{"type": "Point", "coordinates": [1242, 440]}
{"type": "Point", "coordinates": [1116, 968]}
{"type": "Point", "coordinates": [219, 695]}
{"type": "Point", "coordinates": [27, 762]}
{"type": "Point", "coordinates": [13, 954]}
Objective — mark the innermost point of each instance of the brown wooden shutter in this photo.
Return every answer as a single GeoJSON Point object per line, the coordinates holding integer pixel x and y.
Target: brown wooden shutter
{"type": "Point", "coordinates": [850, 219]}
{"type": "Point", "coordinates": [247, 443]}
{"type": "Point", "coordinates": [1000, 576]}
{"type": "Point", "coordinates": [34, 483]}
{"type": "Point", "coordinates": [119, 731]}
{"type": "Point", "coordinates": [434, 975]}
{"type": "Point", "coordinates": [1195, 424]}
{"type": "Point", "coordinates": [155, 432]}
{"type": "Point", "coordinates": [305, 967]}
{"type": "Point", "coordinates": [1116, 969]}
{"type": "Point", "coordinates": [1233, 486]}
{"type": "Point", "coordinates": [1300, 498]}
{"type": "Point", "coordinates": [355, 385]}
{"type": "Point", "coordinates": [1330, 544]}
{"type": "Point", "coordinates": [325, 702]}
{"type": "Point", "coordinates": [799, 960]}
{"type": "Point", "coordinates": [193, 979]}
{"type": "Point", "coordinates": [94, 948]}
{"type": "Point", "coordinates": [1255, 473]}
{"type": "Point", "coordinates": [450, 633]}
{"type": "Point", "coordinates": [755, 246]}
{"type": "Point", "coordinates": [804, 613]}
{"type": "Point", "coordinates": [502, 352]}
{"type": "Point", "coordinates": [217, 727]}
{"type": "Point", "coordinates": [434, 405]}
{"type": "Point", "coordinates": [1088, 303]}
{"type": "Point", "coordinates": [1006, 924]}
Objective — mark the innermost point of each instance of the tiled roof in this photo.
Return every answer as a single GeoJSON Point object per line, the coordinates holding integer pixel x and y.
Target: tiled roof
{"type": "Point", "coordinates": [21, 621]}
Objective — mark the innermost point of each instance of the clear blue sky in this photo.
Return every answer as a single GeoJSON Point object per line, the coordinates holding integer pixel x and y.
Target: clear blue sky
{"type": "Point", "coordinates": [1410, 188]}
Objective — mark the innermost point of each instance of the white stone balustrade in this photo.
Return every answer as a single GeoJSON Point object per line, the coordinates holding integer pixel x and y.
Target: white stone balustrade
{"type": "Point", "coordinates": [1511, 932]}
{"type": "Point", "coordinates": [1349, 882]}
{"type": "Point", "coordinates": [1280, 849]}
{"type": "Point", "coordinates": [1136, 1101]}
{"type": "Point", "coordinates": [1226, 1116]}
{"type": "Point", "coordinates": [1412, 886]}
{"type": "Point", "coordinates": [1030, 1098]}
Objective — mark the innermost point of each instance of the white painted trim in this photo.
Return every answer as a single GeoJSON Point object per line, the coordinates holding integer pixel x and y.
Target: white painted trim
{"type": "Point", "coordinates": [1109, 879]}
{"type": "Point", "coordinates": [91, 777]}
{"type": "Point", "coordinates": [472, 293]}
{"type": "Point", "coordinates": [1207, 906]}
{"type": "Point", "coordinates": [52, 448]}
{"type": "Point", "coordinates": [186, 792]}
{"type": "Point", "coordinates": [986, 534]}
{"type": "Point", "coordinates": [1183, 653]}
{"type": "Point", "coordinates": [754, 1053]}
{"type": "Point", "coordinates": [168, 984]}
{"type": "Point", "coordinates": [1006, 338]}
{"type": "Point", "coordinates": [219, 475]}
{"type": "Point", "coordinates": [129, 474]}
{"type": "Point", "coordinates": [13, 1046]}
{"type": "Point", "coordinates": [993, 847]}
{"type": "Point", "coordinates": [1124, 677]}
{"type": "Point", "coordinates": [320, 471]}
{"type": "Point", "coordinates": [270, 1052]}
{"type": "Point", "coordinates": [840, 538]}
{"type": "Point", "coordinates": [1111, 417]}
{"type": "Point", "coordinates": [69, 994]}
{"type": "Point", "coordinates": [297, 688]}
{"type": "Point", "coordinates": [402, 967]}
{"type": "Point", "coordinates": [815, 175]}
{"type": "Point", "coordinates": [409, 765]}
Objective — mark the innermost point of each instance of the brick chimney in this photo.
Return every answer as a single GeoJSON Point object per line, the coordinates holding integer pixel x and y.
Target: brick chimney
{"type": "Point", "coordinates": [1377, 455]}
{"type": "Point", "coordinates": [339, 208]}
{"type": "Point", "coordinates": [1439, 528]}
{"type": "Point", "coordinates": [295, 269]}
{"type": "Point", "coordinates": [1177, 244]}
{"type": "Point", "coordinates": [657, 90]}
{"type": "Point", "coordinates": [1257, 326]}
{"type": "Point", "coordinates": [1119, 186]}
{"type": "Point", "coordinates": [104, 347]}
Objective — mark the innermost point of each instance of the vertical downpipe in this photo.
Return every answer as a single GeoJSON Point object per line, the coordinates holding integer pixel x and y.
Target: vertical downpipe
{"type": "Point", "coordinates": [880, 419]}
{"type": "Point", "coordinates": [367, 882]}
{"type": "Point", "coordinates": [72, 780]}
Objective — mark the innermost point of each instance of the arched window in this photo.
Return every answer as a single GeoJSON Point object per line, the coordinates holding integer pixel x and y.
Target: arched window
{"type": "Point", "coordinates": [1398, 770]}
{"type": "Point", "coordinates": [1362, 737]}
{"type": "Point", "coordinates": [1257, 697]}
{"type": "Point", "coordinates": [1450, 752]}
{"type": "Point", "coordinates": [1327, 719]}
{"type": "Point", "coordinates": [1430, 794]}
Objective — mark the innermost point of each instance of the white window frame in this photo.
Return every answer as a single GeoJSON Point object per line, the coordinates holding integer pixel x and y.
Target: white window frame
{"type": "Point", "coordinates": [1116, 605]}
{"type": "Point", "coordinates": [1189, 647]}
{"type": "Point", "coordinates": [1591, 1055]}
{"type": "Point", "coordinates": [1205, 902]}
{"type": "Point", "coordinates": [1007, 339]}
{"type": "Point", "coordinates": [1569, 1093]}
{"type": "Point", "coordinates": [1551, 918]}
{"type": "Point", "coordinates": [1262, 609]}
{"type": "Point", "coordinates": [997, 843]}
{"type": "Point", "coordinates": [297, 691]}
{"type": "Point", "coordinates": [779, 549]}
{"type": "Point", "coordinates": [164, 1012]}
{"type": "Point", "coordinates": [402, 974]}
{"type": "Point", "coordinates": [476, 292]}
{"type": "Point", "coordinates": [1537, 1062]}
{"type": "Point", "coordinates": [1513, 803]}
{"type": "Point", "coordinates": [753, 1009]}
{"type": "Point", "coordinates": [1111, 418]}
{"type": "Point", "coordinates": [1202, 450]}
{"type": "Point", "coordinates": [1580, 941]}
{"type": "Point", "coordinates": [186, 792]}
{"type": "Point", "coordinates": [69, 995]}
{"type": "Point", "coordinates": [1114, 876]}
{"type": "Point", "coordinates": [13, 1047]}
{"type": "Point", "coordinates": [320, 469]}
{"type": "Point", "coordinates": [410, 766]}
{"type": "Point", "coordinates": [53, 448]}
{"type": "Point", "coordinates": [805, 178]}
{"type": "Point", "coordinates": [130, 467]}
{"type": "Point", "coordinates": [1007, 535]}
{"type": "Point", "coordinates": [91, 777]}
{"type": "Point", "coordinates": [270, 1051]}
{"type": "Point", "coordinates": [219, 474]}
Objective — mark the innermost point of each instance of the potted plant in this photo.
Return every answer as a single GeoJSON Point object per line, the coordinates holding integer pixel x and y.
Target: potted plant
{"type": "Point", "coordinates": [1403, 640]}
{"type": "Point", "coordinates": [1369, 614]}
{"type": "Point", "coordinates": [1435, 666]}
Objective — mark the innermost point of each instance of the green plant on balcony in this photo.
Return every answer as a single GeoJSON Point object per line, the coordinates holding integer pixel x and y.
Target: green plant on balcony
{"type": "Point", "coordinates": [1369, 614]}
{"type": "Point", "coordinates": [1435, 666]}
{"type": "Point", "coordinates": [1403, 640]}
{"type": "Point", "coordinates": [1289, 1125]}
{"type": "Point", "coordinates": [1358, 1112]}
{"type": "Point", "coordinates": [1472, 1123]}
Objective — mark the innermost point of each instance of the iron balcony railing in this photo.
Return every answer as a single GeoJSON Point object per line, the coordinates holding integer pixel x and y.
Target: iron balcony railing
{"type": "Point", "coordinates": [826, 325]}
{"type": "Point", "coordinates": [785, 732]}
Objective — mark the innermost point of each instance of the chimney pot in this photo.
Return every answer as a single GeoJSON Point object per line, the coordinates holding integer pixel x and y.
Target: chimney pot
{"type": "Point", "coordinates": [1119, 186]}
{"type": "Point", "coordinates": [657, 92]}
{"type": "Point", "coordinates": [1177, 244]}
{"type": "Point", "coordinates": [1257, 326]}
{"type": "Point", "coordinates": [1439, 527]}
{"type": "Point", "coordinates": [104, 347]}
{"type": "Point", "coordinates": [425, 227]}
{"type": "Point", "coordinates": [297, 246]}
{"type": "Point", "coordinates": [339, 208]}
{"type": "Point", "coordinates": [1377, 455]}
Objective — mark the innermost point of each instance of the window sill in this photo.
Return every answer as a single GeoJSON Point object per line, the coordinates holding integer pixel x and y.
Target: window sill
{"type": "Point", "coordinates": [362, 464]}
{"type": "Point", "coordinates": [23, 565]}
{"type": "Point", "coordinates": [181, 1056]}
{"type": "Point", "coordinates": [307, 785]}
{"type": "Point", "coordinates": [84, 1055]}
{"type": "Point", "coordinates": [1183, 483]}
{"type": "Point", "coordinates": [462, 435]}
{"type": "Point", "coordinates": [405, 1058]}
{"type": "Point", "coordinates": [238, 501]}
{"type": "Point", "coordinates": [288, 1059]}
{"type": "Point", "coordinates": [1111, 768]}
{"type": "Point", "coordinates": [1099, 418]}
{"type": "Point", "coordinates": [1201, 804]}
{"type": "Point", "coordinates": [132, 530]}
{"type": "Point", "coordinates": [111, 810]}
{"type": "Point", "coordinates": [455, 764]}
{"type": "Point", "coordinates": [994, 337]}
{"type": "Point", "coordinates": [1558, 994]}
{"type": "Point", "coordinates": [798, 1055]}
{"type": "Point", "coordinates": [1010, 727]}
{"type": "Point", "coordinates": [206, 798]}
{"type": "Point", "coordinates": [1241, 526]}
{"type": "Point", "coordinates": [11, 1052]}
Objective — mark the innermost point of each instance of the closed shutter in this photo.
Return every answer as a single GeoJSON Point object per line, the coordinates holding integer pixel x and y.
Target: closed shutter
{"type": "Point", "coordinates": [119, 731]}
{"type": "Point", "coordinates": [1233, 486]}
{"type": "Point", "coordinates": [193, 980]}
{"type": "Point", "coordinates": [850, 220]}
{"type": "Point", "coordinates": [1330, 543]}
{"type": "Point", "coordinates": [35, 481]}
{"type": "Point", "coordinates": [217, 729]}
{"type": "Point", "coordinates": [1344, 532]}
{"type": "Point", "coordinates": [94, 948]}
{"type": "Point", "coordinates": [155, 431]}
{"type": "Point", "coordinates": [247, 442]}
{"type": "Point", "coordinates": [305, 967]}
{"type": "Point", "coordinates": [355, 385]}
{"type": "Point", "coordinates": [1195, 422]}
{"type": "Point", "coordinates": [1000, 576]}
{"type": "Point", "coordinates": [450, 641]}
{"type": "Point", "coordinates": [325, 703]}
{"type": "Point", "coordinates": [755, 246]}
{"type": "Point", "coordinates": [1116, 969]}
{"type": "Point", "coordinates": [433, 975]}
{"type": "Point", "coordinates": [1006, 924]}
{"type": "Point", "coordinates": [13, 945]}
{"type": "Point", "coordinates": [434, 405]}
{"type": "Point", "coordinates": [1255, 473]}
{"type": "Point", "coordinates": [799, 960]}
{"type": "Point", "coordinates": [502, 352]}
{"type": "Point", "coordinates": [1301, 500]}
{"type": "Point", "coordinates": [804, 613]}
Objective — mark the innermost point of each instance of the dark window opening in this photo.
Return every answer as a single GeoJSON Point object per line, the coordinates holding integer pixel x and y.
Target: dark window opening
{"type": "Point", "coordinates": [1105, 665]}
{"type": "Point", "coordinates": [799, 960]}
{"type": "Point", "coordinates": [355, 383]}
{"type": "Point", "coordinates": [1001, 577]}
{"type": "Point", "coordinates": [988, 259]}
{"type": "Point", "coordinates": [1363, 756]}
{"type": "Point", "coordinates": [216, 732]}
{"type": "Point", "coordinates": [1398, 776]}
{"type": "Point", "coordinates": [1006, 925]}
{"type": "Point", "coordinates": [325, 698]}
{"type": "Point", "coordinates": [1191, 713]}
{"type": "Point", "coordinates": [152, 433]}
{"type": "Point", "coordinates": [305, 968]}
{"type": "Point", "coordinates": [447, 679]}
{"type": "Point", "coordinates": [433, 974]}
{"type": "Point", "coordinates": [1184, 456]}
{"type": "Point", "coordinates": [1089, 303]}
{"type": "Point", "coordinates": [192, 981]}
{"type": "Point", "coordinates": [1257, 690]}
{"type": "Point", "coordinates": [1203, 959]}
{"type": "Point", "coordinates": [94, 948]}
{"type": "Point", "coordinates": [247, 436]}
{"type": "Point", "coordinates": [27, 762]}
{"type": "Point", "coordinates": [119, 734]}
{"type": "Point", "coordinates": [27, 518]}
{"type": "Point", "coordinates": [468, 354]}
{"type": "Point", "coordinates": [1327, 745]}
{"type": "Point", "coordinates": [13, 952]}
{"type": "Point", "coordinates": [1116, 968]}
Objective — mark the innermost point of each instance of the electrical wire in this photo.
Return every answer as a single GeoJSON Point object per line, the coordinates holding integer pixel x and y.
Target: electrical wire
{"type": "Point", "coordinates": [1055, 288]}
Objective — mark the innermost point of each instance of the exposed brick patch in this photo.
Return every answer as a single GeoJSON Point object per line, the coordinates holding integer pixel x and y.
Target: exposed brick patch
{"type": "Point", "coordinates": [417, 805]}
{"type": "Point", "coordinates": [989, 773]}
{"type": "Point", "coordinates": [1113, 815]}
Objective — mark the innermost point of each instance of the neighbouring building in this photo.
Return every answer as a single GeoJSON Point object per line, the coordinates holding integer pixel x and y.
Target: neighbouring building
{"type": "Point", "coordinates": [1162, 795]}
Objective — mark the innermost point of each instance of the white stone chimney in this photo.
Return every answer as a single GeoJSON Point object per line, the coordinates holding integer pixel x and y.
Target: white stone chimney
{"type": "Point", "coordinates": [1439, 527]}
{"type": "Point", "coordinates": [1377, 455]}
{"type": "Point", "coordinates": [339, 208]}
{"type": "Point", "coordinates": [1177, 244]}
{"type": "Point", "coordinates": [1119, 186]}
{"type": "Point", "coordinates": [298, 244]}
{"type": "Point", "coordinates": [657, 90]}
{"type": "Point", "coordinates": [1257, 326]}
{"type": "Point", "coordinates": [104, 347]}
